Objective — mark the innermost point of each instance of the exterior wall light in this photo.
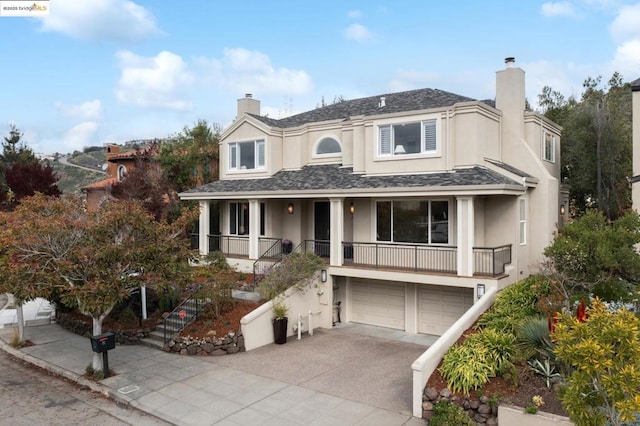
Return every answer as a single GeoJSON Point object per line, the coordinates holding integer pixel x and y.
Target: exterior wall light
{"type": "Point", "coordinates": [352, 209]}
{"type": "Point", "coordinates": [562, 209]}
{"type": "Point", "coordinates": [480, 290]}
{"type": "Point", "coordinates": [323, 275]}
{"type": "Point", "coordinates": [290, 208]}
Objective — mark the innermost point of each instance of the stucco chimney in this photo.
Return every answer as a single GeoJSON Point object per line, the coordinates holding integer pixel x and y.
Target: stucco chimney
{"type": "Point", "coordinates": [635, 108]}
{"type": "Point", "coordinates": [510, 99]}
{"type": "Point", "coordinates": [248, 105]}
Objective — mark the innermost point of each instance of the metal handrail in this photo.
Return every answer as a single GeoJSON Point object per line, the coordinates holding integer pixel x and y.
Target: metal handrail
{"type": "Point", "coordinates": [174, 316]}
{"type": "Point", "coordinates": [272, 256]}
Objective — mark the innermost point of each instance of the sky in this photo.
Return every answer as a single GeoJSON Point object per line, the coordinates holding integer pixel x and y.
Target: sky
{"type": "Point", "coordinates": [93, 72]}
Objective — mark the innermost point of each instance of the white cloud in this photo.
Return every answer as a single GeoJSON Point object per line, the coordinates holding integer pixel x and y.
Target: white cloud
{"type": "Point", "coordinates": [121, 21]}
{"type": "Point", "coordinates": [357, 32]}
{"type": "Point", "coordinates": [558, 9]}
{"type": "Point", "coordinates": [354, 14]}
{"type": "Point", "coordinates": [412, 79]}
{"type": "Point", "coordinates": [627, 60]}
{"type": "Point", "coordinates": [90, 110]}
{"type": "Point", "coordinates": [250, 71]}
{"type": "Point", "coordinates": [80, 136]}
{"type": "Point", "coordinates": [160, 81]}
{"type": "Point", "coordinates": [626, 25]}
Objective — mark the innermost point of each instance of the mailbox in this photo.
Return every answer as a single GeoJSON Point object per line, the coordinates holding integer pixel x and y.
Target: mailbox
{"type": "Point", "coordinates": [103, 342]}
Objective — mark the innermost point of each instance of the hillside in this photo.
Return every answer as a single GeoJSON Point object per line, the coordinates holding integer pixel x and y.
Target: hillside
{"type": "Point", "coordinates": [73, 178]}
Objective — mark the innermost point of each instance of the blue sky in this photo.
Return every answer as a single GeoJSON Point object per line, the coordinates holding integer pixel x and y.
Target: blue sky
{"type": "Point", "coordinates": [107, 71]}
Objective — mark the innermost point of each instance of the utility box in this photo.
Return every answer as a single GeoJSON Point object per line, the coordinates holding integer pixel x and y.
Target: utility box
{"type": "Point", "coordinates": [103, 342]}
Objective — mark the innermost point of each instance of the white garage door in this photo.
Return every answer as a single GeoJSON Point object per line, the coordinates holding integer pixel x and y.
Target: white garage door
{"type": "Point", "coordinates": [439, 307]}
{"type": "Point", "coordinates": [377, 303]}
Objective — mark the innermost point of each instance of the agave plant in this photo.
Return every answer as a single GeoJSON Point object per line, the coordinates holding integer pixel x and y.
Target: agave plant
{"type": "Point", "coordinates": [544, 369]}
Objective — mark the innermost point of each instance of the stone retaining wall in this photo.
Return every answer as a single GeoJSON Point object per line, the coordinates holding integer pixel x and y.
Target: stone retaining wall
{"type": "Point", "coordinates": [231, 344]}
{"type": "Point", "coordinates": [123, 337]}
{"type": "Point", "coordinates": [480, 411]}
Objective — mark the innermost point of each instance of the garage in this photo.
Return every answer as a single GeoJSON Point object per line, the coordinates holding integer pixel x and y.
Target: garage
{"type": "Point", "coordinates": [439, 307]}
{"type": "Point", "coordinates": [378, 303]}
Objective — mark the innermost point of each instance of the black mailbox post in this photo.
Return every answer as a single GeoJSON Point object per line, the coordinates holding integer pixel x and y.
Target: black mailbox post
{"type": "Point", "coordinates": [102, 343]}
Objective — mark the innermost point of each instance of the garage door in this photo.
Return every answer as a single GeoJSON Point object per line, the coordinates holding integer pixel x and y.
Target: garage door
{"type": "Point", "coordinates": [377, 303]}
{"type": "Point", "coordinates": [439, 307]}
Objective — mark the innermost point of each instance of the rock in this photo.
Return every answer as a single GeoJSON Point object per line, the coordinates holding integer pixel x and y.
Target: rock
{"type": "Point", "coordinates": [183, 352]}
{"type": "Point", "coordinates": [427, 415]}
{"type": "Point", "coordinates": [492, 421]}
{"type": "Point", "coordinates": [479, 419]}
{"type": "Point", "coordinates": [445, 393]}
{"type": "Point", "coordinates": [484, 409]}
{"type": "Point", "coordinates": [207, 347]}
{"type": "Point", "coordinates": [218, 352]}
{"type": "Point", "coordinates": [427, 406]}
{"type": "Point", "coordinates": [233, 350]}
{"type": "Point", "coordinates": [484, 399]}
{"type": "Point", "coordinates": [474, 405]}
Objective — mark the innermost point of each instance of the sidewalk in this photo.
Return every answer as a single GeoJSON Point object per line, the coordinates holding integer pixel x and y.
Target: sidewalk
{"type": "Point", "coordinates": [196, 390]}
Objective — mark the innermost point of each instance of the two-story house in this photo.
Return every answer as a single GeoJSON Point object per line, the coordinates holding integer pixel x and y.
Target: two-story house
{"type": "Point", "coordinates": [419, 201]}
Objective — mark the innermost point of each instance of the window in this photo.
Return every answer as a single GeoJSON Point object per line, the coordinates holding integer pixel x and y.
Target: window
{"type": "Point", "coordinates": [239, 219]}
{"type": "Point", "coordinates": [246, 155]}
{"type": "Point", "coordinates": [328, 146]}
{"type": "Point", "coordinates": [413, 221]}
{"type": "Point", "coordinates": [523, 222]}
{"type": "Point", "coordinates": [122, 172]}
{"type": "Point", "coordinates": [549, 147]}
{"type": "Point", "coordinates": [408, 138]}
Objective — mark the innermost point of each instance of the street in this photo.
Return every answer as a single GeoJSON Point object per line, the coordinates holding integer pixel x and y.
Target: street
{"type": "Point", "coordinates": [30, 396]}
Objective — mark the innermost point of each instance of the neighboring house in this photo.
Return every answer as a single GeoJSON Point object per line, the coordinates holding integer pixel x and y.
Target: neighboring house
{"type": "Point", "coordinates": [419, 201]}
{"type": "Point", "coordinates": [635, 186]}
{"type": "Point", "coordinates": [116, 168]}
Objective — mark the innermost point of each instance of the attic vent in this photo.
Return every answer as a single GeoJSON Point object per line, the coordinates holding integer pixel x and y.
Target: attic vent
{"type": "Point", "coordinates": [382, 102]}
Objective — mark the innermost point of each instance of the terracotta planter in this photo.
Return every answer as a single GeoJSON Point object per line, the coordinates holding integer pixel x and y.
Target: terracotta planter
{"type": "Point", "coordinates": [280, 330]}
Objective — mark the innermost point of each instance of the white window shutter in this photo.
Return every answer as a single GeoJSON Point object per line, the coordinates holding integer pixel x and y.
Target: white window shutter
{"type": "Point", "coordinates": [385, 140]}
{"type": "Point", "coordinates": [430, 136]}
{"type": "Point", "coordinates": [260, 149]}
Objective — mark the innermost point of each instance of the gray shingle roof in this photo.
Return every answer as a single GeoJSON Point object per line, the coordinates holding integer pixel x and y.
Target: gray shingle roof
{"type": "Point", "coordinates": [635, 85]}
{"type": "Point", "coordinates": [411, 100]}
{"type": "Point", "coordinates": [335, 177]}
{"type": "Point", "coordinates": [509, 168]}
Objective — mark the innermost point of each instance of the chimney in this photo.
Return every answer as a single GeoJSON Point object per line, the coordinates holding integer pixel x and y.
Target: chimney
{"type": "Point", "coordinates": [382, 102]}
{"type": "Point", "coordinates": [510, 99]}
{"type": "Point", "coordinates": [248, 105]}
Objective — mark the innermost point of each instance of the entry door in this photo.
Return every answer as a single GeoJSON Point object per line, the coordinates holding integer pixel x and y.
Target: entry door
{"type": "Point", "coordinates": [322, 228]}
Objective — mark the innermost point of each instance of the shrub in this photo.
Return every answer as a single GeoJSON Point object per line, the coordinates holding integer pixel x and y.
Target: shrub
{"type": "Point", "coordinates": [297, 269]}
{"type": "Point", "coordinates": [602, 354]}
{"type": "Point", "coordinates": [466, 367]}
{"type": "Point", "coordinates": [534, 339]}
{"type": "Point", "coordinates": [500, 348]}
{"type": "Point", "coordinates": [447, 414]}
{"type": "Point", "coordinates": [514, 304]}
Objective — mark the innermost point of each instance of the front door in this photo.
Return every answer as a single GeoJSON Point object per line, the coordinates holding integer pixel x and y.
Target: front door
{"type": "Point", "coordinates": [322, 228]}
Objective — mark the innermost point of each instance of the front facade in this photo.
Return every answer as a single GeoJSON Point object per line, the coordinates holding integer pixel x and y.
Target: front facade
{"type": "Point", "coordinates": [418, 201]}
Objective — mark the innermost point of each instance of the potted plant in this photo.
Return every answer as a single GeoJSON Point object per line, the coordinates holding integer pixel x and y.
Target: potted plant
{"type": "Point", "coordinates": [280, 322]}
{"type": "Point", "coordinates": [287, 246]}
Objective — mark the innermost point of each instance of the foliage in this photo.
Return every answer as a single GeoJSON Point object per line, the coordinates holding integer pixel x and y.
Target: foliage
{"type": "Point", "coordinates": [603, 355]}
{"type": "Point", "coordinates": [297, 269]}
{"type": "Point", "coordinates": [53, 247]}
{"type": "Point", "coordinates": [466, 367]}
{"type": "Point", "coordinates": [534, 339]}
{"type": "Point", "coordinates": [280, 310]}
{"type": "Point", "coordinates": [596, 144]}
{"type": "Point", "coordinates": [191, 158]}
{"type": "Point", "coordinates": [500, 348]}
{"type": "Point", "coordinates": [545, 369]}
{"type": "Point", "coordinates": [591, 255]}
{"type": "Point", "coordinates": [514, 304]}
{"type": "Point", "coordinates": [447, 413]}
{"type": "Point", "coordinates": [216, 282]}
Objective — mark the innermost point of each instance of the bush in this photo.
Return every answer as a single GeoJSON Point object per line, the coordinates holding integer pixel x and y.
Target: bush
{"type": "Point", "coordinates": [297, 269]}
{"type": "Point", "coordinates": [534, 338]}
{"type": "Point", "coordinates": [514, 304]}
{"type": "Point", "coordinates": [448, 414]}
{"type": "Point", "coordinates": [466, 367]}
{"type": "Point", "coordinates": [500, 348]}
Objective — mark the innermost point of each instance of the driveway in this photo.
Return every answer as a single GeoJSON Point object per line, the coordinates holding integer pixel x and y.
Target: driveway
{"type": "Point", "coordinates": [340, 362]}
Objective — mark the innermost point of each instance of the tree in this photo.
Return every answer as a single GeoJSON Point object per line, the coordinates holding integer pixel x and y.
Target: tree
{"type": "Point", "coordinates": [603, 357]}
{"type": "Point", "coordinates": [191, 158]}
{"type": "Point", "coordinates": [53, 248]}
{"type": "Point", "coordinates": [594, 256]}
{"type": "Point", "coordinates": [596, 143]}
{"type": "Point", "coordinates": [14, 150]}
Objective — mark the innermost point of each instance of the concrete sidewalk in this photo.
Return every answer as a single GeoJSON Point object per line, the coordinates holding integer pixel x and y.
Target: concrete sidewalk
{"type": "Point", "coordinates": [241, 389]}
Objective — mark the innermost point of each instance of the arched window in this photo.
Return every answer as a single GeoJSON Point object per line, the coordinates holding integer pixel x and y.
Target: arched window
{"type": "Point", "coordinates": [122, 171]}
{"type": "Point", "coordinates": [328, 146]}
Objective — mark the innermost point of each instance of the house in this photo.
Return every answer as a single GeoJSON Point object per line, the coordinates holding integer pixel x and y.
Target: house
{"type": "Point", "coordinates": [419, 201]}
{"type": "Point", "coordinates": [116, 167]}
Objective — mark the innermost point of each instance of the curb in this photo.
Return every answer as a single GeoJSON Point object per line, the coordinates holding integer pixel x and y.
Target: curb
{"type": "Point", "coordinates": [80, 380]}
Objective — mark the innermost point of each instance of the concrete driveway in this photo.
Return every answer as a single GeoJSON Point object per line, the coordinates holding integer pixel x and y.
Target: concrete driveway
{"type": "Point", "coordinates": [342, 362]}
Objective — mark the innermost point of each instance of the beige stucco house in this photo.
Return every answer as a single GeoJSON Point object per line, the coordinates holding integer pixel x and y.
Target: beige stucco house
{"type": "Point", "coordinates": [419, 201]}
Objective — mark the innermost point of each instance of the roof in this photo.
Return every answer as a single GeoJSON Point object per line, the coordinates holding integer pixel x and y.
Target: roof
{"type": "Point", "coordinates": [509, 168]}
{"type": "Point", "coordinates": [635, 85]}
{"type": "Point", "coordinates": [412, 100]}
{"type": "Point", "coordinates": [105, 183]}
{"type": "Point", "coordinates": [333, 177]}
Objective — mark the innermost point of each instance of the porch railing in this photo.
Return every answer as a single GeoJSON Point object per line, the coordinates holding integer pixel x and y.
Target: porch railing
{"type": "Point", "coordinates": [271, 257]}
{"type": "Point", "coordinates": [230, 245]}
{"type": "Point", "coordinates": [491, 260]}
{"type": "Point", "coordinates": [411, 257]}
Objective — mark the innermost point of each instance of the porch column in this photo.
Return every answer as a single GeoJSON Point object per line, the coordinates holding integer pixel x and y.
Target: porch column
{"type": "Point", "coordinates": [337, 230]}
{"type": "Point", "coordinates": [203, 228]}
{"type": "Point", "coordinates": [254, 229]}
{"type": "Point", "coordinates": [465, 235]}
